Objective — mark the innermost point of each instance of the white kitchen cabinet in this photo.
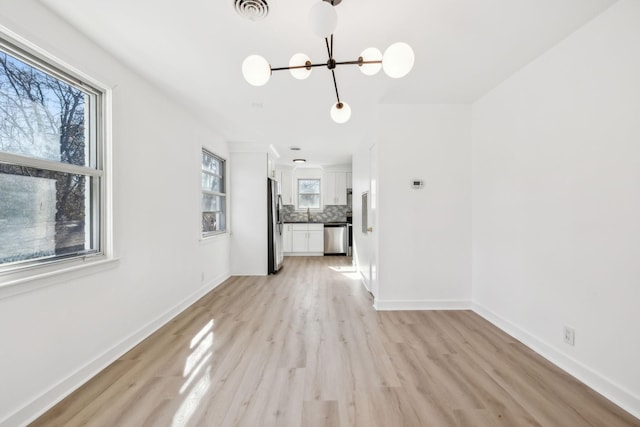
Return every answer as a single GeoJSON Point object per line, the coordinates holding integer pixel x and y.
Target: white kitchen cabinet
{"type": "Point", "coordinates": [316, 240]}
{"type": "Point", "coordinates": [271, 167]}
{"type": "Point", "coordinates": [349, 180]}
{"type": "Point", "coordinates": [329, 188]}
{"type": "Point", "coordinates": [341, 188]}
{"type": "Point", "coordinates": [299, 241]}
{"type": "Point", "coordinates": [307, 239]}
{"type": "Point", "coordinates": [286, 238]}
{"type": "Point", "coordinates": [285, 178]}
{"type": "Point", "coordinates": [286, 186]}
{"type": "Point", "coordinates": [335, 188]}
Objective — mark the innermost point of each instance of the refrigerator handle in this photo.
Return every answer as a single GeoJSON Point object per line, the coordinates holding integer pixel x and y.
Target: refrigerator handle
{"type": "Point", "coordinates": [279, 209]}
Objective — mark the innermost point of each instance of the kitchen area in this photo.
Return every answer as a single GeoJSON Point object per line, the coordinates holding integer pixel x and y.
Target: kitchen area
{"type": "Point", "coordinates": [283, 209]}
{"type": "Point", "coordinates": [316, 212]}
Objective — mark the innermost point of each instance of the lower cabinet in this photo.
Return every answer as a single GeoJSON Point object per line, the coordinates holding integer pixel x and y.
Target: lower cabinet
{"type": "Point", "coordinates": [286, 238]}
{"type": "Point", "coordinates": [306, 239]}
{"type": "Point", "coordinates": [316, 240]}
{"type": "Point", "coordinates": [300, 241]}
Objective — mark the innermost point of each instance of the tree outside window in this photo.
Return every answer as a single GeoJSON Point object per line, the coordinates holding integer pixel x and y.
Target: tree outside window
{"type": "Point", "coordinates": [214, 197]}
{"type": "Point", "coordinates": [309, 194]}
{"type": "Point", "coordinates": [50, 166]}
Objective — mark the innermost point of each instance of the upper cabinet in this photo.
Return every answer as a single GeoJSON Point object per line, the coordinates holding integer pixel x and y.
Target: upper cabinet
{"type": "Point", "coordinates": [271, 167]}
{"type": "Point", "coordinates": [329, 189]}
{"type": "Point", "coordinates": [349, 180]}
{"type": "Point", "coordinates": [285, 178]}
{"type": "Point", "coordinates": [333, 185]}
{"type": "Point", "coordinates": [335, 188]}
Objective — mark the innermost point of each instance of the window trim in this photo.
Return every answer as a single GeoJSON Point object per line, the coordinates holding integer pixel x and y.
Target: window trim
{"type": "Point", "coordinates": [209, 234]}
{"type": "Point", "coordinates": [99, 124]}
{"type": "Point", "coordinates": [320, 206]}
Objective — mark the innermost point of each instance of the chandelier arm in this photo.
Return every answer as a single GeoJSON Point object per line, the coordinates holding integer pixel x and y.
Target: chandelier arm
{"type": "Point", "coordinates": [325, 64]}
{"type": "Point", "coordinates": [299, 66]}
{"type": "Point", "coordinates": [358, 62]}
{"type": "Point", "coordinates": [335, 84]}
{"type": "Point", "coordinates": [331, 54]}
{"type": "Point", "coordinates": [326, 41]}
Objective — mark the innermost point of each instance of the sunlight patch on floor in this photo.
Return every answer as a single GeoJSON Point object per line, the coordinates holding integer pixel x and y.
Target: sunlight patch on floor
{"type": "Point", "coordinates": [348, 271]}
{"type": "Point", "coordinates": [197, 382]}
{"type": "Point", "coordinates": [197, 337]}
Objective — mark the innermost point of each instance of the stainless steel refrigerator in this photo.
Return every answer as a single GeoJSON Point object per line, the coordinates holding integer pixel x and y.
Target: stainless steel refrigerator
{"type": "Point", "coordinates": [274, 226]}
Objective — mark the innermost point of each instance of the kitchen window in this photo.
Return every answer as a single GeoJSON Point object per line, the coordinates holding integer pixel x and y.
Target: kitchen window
{"type": "Point", "coordinates": [52, 182]}
{"type": "Point", "coordinates": [309, 194]}
{"type": "Point", "coordinates": [214, 197]}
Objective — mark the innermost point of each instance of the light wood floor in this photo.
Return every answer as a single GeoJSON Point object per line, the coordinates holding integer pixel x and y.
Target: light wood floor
{"type": "Point", "coordinates": [305, 348]}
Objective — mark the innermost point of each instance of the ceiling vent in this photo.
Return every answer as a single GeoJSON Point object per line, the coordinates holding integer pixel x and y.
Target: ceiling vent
{"type": "Point", "coordinates": [254, 10]}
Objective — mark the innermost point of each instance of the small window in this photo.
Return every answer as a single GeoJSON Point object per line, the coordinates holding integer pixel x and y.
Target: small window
{"type": "Point", "coordinates": [309, 194]}
{"type": "Point", "coordinates": [51, 166]}
{"type": "Point", "coordinates": [214, 196]}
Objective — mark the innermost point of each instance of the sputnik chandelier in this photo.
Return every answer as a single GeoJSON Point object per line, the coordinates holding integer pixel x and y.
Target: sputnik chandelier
{"type": "Point", "coordinates": [396, 62]}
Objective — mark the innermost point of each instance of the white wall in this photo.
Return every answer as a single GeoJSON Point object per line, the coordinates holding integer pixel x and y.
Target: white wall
{"type": "Point", "coordinates": [424, 236]}
{"type": "Point", "coordinates": [249, 213]}
{"type": "Point", "coordinates": [556, 203]}
{"type": "Point", "coordinates": [67, 328]}
{"type": "Point", "coordinates": [555, 209]}
{"type": "Point", "coordinates": [361, 250]}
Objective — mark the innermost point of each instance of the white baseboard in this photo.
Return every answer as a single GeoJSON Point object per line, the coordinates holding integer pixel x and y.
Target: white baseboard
{"type": "Point", "coordinates": [399, 305]}
{"type": "Point", "coordinates": [304, 254]}
{"type": "Point", "coordinates": [598, 382]}
{"type": "Point", "coordinates": [49, 398]}
{"type": "Point", "coordinates": [364, 282]}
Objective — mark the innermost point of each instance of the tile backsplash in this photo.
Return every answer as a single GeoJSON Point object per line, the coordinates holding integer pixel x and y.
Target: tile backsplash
{"type": "Point", "coordinates": [330, 213]}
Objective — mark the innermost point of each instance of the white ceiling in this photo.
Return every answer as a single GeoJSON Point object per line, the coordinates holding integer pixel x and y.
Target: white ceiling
{"type": "Point", "coordinates": [194, 49]}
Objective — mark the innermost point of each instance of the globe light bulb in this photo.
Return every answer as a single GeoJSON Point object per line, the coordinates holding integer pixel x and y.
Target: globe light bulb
{"type": "Point", "coordinates": [398, 60]}
{"type": "Point", "coordinates": [371, 54]}
{"type": "Point", "coordinates": [323, 19]}
{"type": "Point", "coordinates": [297, 60]}
{"type": "Point", "coordinates": [340, 112]}
{"type": "Point", "coordinates": [256, 70]}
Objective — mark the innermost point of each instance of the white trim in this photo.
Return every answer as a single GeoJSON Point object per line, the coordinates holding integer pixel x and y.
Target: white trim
{"type": "Point", "coordinates": [52, 165]}
{"type": "Point", "coordinates": [224, 177]}
{"type": "Point", "coordinates": [214, 237]}
{"type": "Point", "coordinates": [401, 305]}
{"type": "Point", "coordinates": [23, 272]}
{"type": "Point", "coordinates": [41, 276]}
{"type": "Point", "coordinates": [45, 401]}
{"type": "Point", "coordinates": [365, 283]}
{"type": "Point", "coordinates": [320, 194]}
{"type": "Point", "coordinates": [42, 54]}
{"type": "Point", "coordinates": [595, 380]}
{"type": "Point", "coordinates": [303, 253]}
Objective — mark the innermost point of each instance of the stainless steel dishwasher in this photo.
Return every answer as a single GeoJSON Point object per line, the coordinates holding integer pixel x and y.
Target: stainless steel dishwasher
{"type": "Point", "coordinates": [336, 239]}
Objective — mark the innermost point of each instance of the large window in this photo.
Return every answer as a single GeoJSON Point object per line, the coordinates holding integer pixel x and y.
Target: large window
{"type": "Point", "coordinates": [214, 198]}
{"type": "Point", "coordinates": [51, 165]}
{"type": "Point", "coordinates": [309, 194]}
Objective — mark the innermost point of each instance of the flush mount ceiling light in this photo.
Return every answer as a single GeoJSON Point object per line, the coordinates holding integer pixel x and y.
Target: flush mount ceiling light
{"type": "Point", "coordinates": [299, 160]}
{"type": "Point", "coordinates": [396, 62]}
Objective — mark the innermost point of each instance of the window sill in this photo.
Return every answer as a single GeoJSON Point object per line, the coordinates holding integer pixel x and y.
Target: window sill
{"type": "Point", "coordinates": [214, 237]}
{"type": "Point", "coordinates": [20, 282]}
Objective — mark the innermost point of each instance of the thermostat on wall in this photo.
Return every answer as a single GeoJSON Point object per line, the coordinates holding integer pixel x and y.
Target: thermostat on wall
{"type": "Point", "coordinates": [417, 183]}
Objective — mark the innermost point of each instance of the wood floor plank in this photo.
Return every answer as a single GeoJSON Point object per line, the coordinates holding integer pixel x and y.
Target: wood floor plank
{"type": "Point", "coordinates": [304, 347]}
{"type": "Point", "coordinates": [320, 413]}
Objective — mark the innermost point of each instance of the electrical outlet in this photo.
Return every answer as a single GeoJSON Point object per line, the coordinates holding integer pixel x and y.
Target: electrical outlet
{"type": "Point", "coordinates": [569, 335]}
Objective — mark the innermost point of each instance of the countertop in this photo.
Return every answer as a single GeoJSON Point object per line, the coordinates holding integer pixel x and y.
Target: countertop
{"type": "Point", "coordinates": [316, 222]}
